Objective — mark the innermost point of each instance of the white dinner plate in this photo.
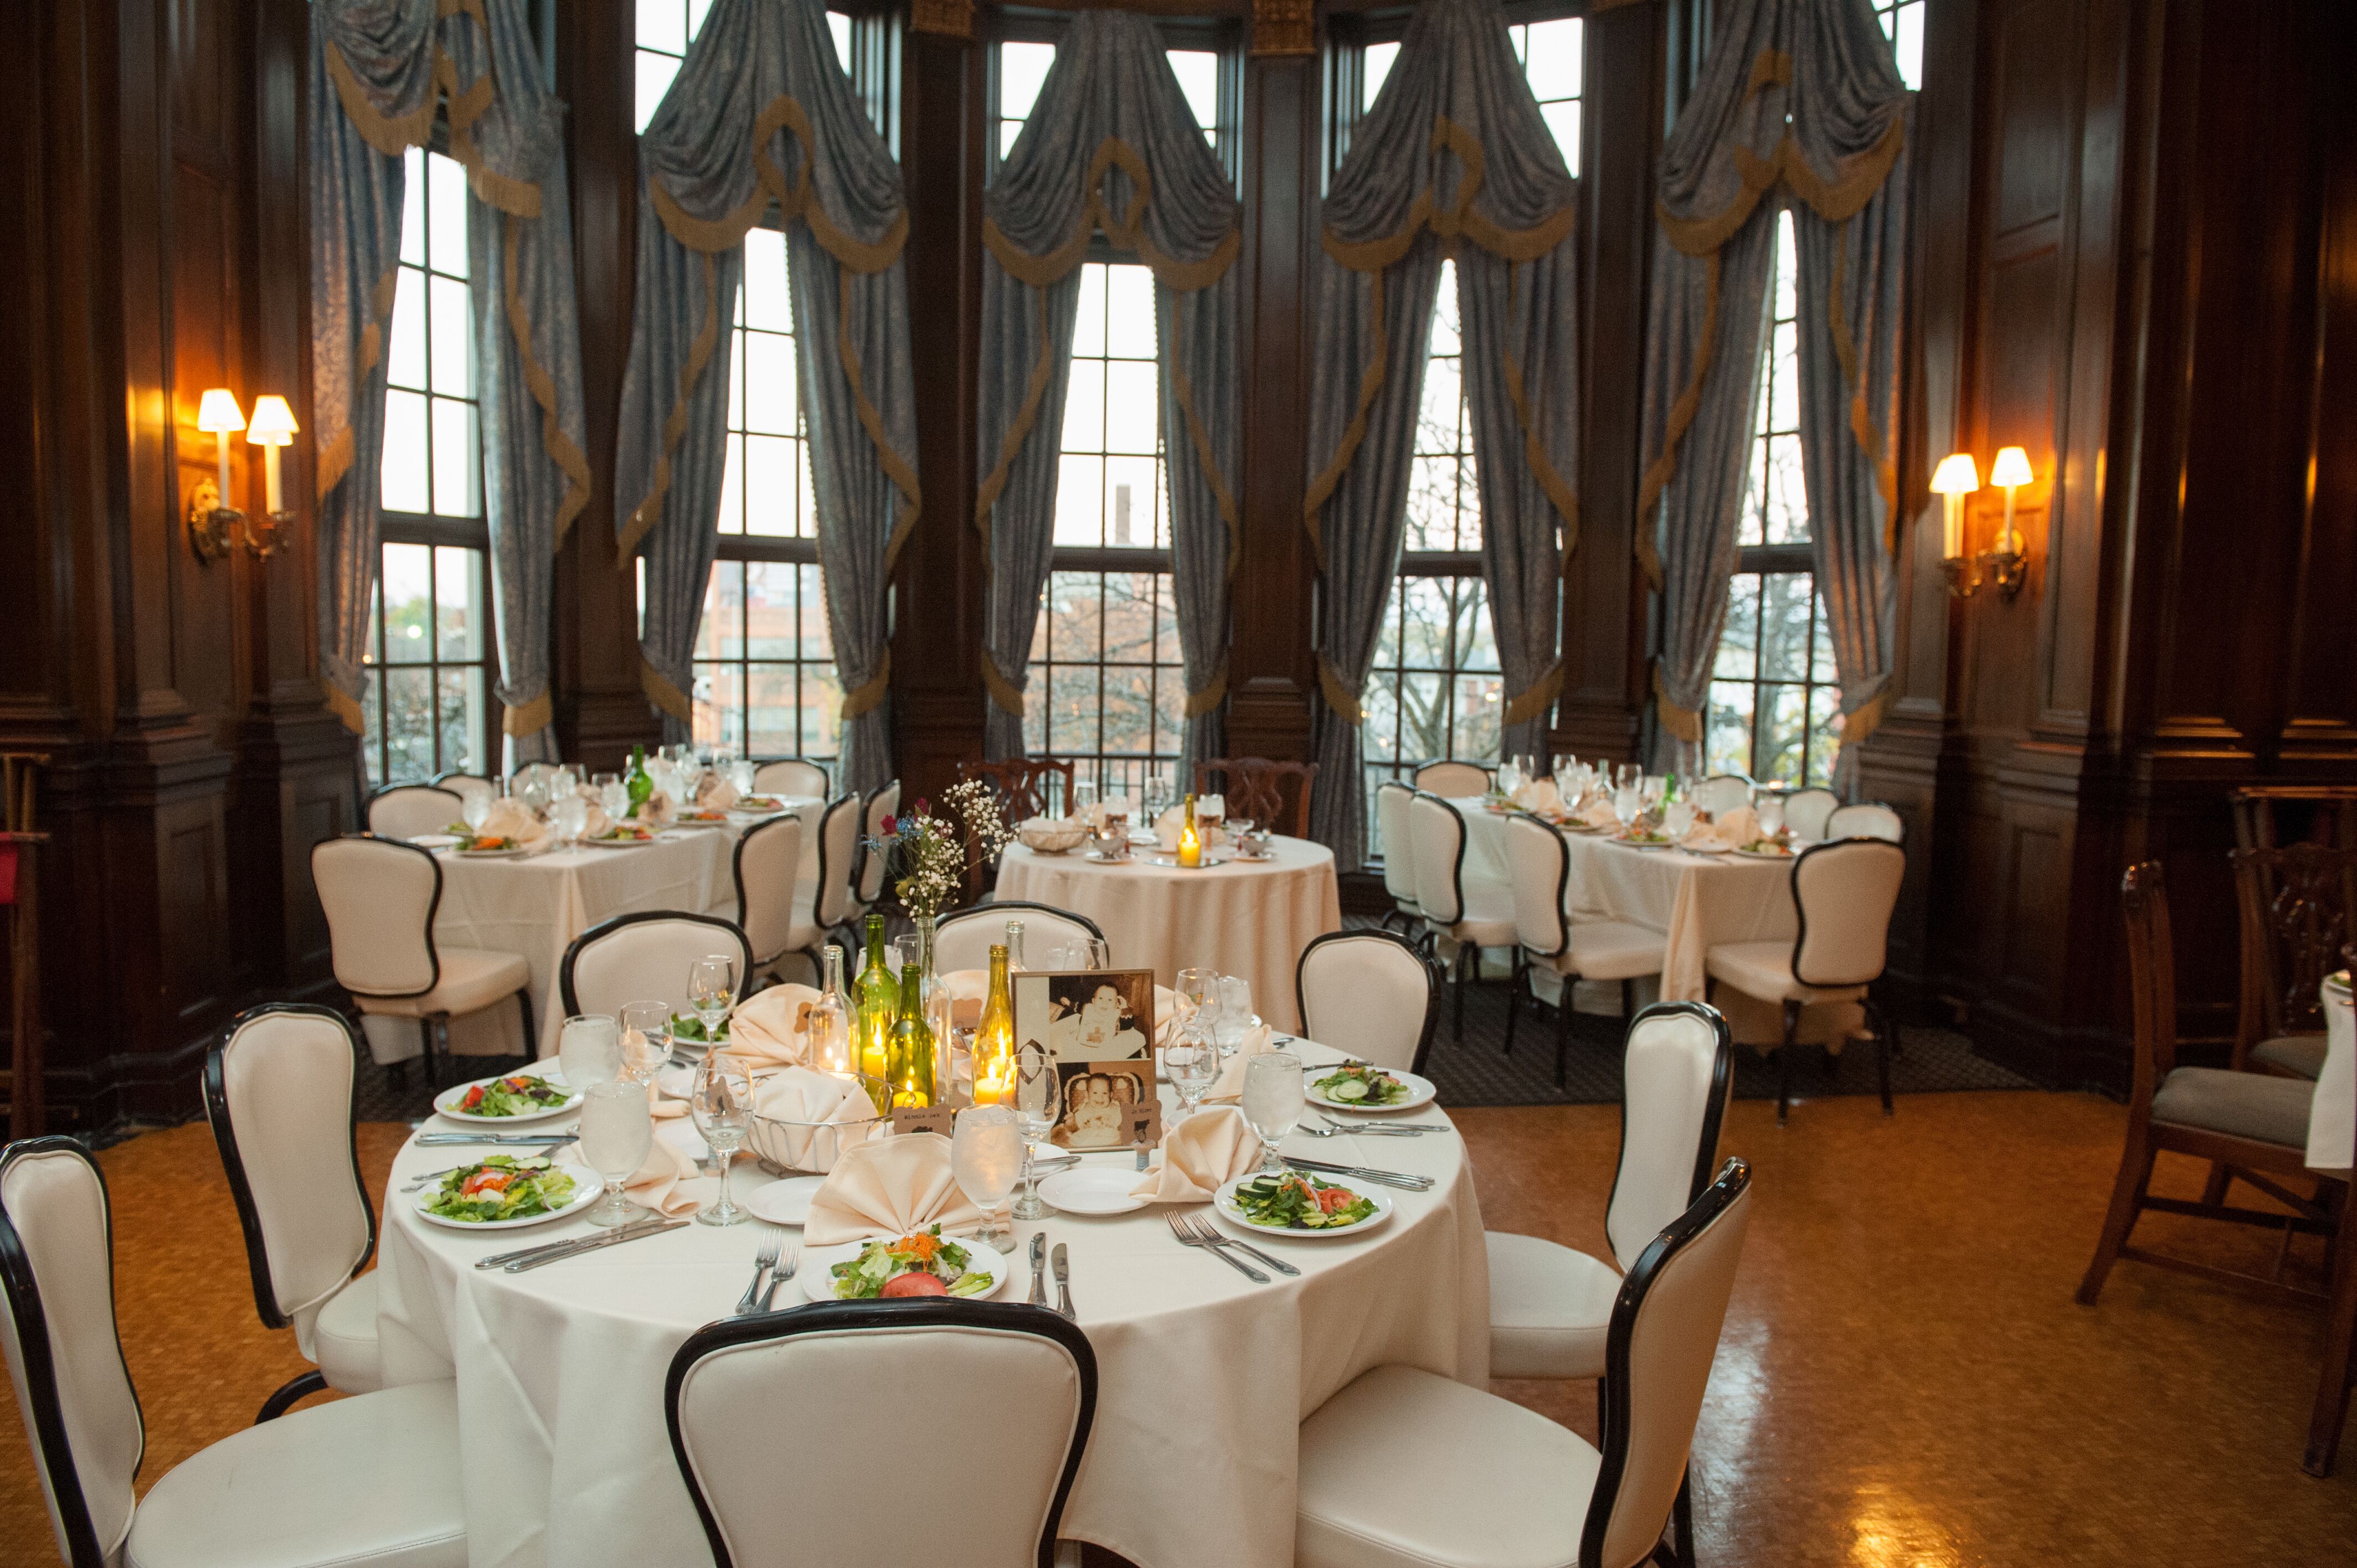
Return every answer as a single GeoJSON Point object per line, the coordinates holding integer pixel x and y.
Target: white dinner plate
{"type": "Point", "coordinates": [743, 810]}
{"type": "Point", "coordinates": [586, 1186]}
{"type": "Point", "coordinates": [1762, 855]}
{"type": "Point", "coordinates": [492, 853]}
{"type": "Point", "coordinates": [1419, 1093]}
{"type": "Point", "coordinates": [721, 822]}
{"type": "Point", "coordinates": [818, 1282]}
{"type": "Point", "coordinates": [1637, 844]}
{"type": "Point", "coordinates": [1577, 827]}
{"type": "Point", "coordinates": [617, 843]}
{"type": "Point", "coordinates": [447, 1100]}
{"type": "Point", "coordinates": [1223, 1204]}
{"type": "Point", "coordinates": [437, 840]}
{"type": "Point", "coordinates": [785, 1202]}
{"type": "Point", "coordinates": [1092, 1189]}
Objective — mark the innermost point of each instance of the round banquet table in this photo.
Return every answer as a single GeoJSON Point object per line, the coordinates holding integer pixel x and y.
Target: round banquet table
{"type": "Point", "coordinates": [1247, 918]}
{"type": "Point", "coordinates": [1204, 1375]}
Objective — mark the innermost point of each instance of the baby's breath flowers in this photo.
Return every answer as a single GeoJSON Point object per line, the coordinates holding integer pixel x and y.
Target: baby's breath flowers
{"type": "Point", "coordinates": [925, 854]}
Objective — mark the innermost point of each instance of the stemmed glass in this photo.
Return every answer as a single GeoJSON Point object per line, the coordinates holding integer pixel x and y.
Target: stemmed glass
{"type": "Point", "coordinates": [711, 988]}
{"type": "Point", "coordinates": [616, 1130]}
{"type": "Point", "coordinates": [1039, 1100]}
{"type": "Point", "coordinates": [1770, 805]}
{"type": "Point", "coordinates": [722, 1107]}
{"type": "Point", "coordinates": [474, 810]}
{"type": "Point", "coordinates": [569, 816]}
{"type": "Point", "coordinates": [1625, 805]}
{"type": "Point", "coordinates": [1679, 819]}
{"type": "Point", "coordinates": [1192, 1062]}
{"type": "Point", "coordinates": [1628, 776]}
{"type": "Point", "coordinates": [1273, 1100]}
{"type": "Point", "coordinates": [1197, 988]}
{"type": "Point", "coordinates": [1509, 776]}
{"type": "Point", "coordinates": [646, 1039]}
{"type": "Point", "coordinates": [1567, 770]}
{"type": "Point", "coordinates": [987, 1154]}
{"type": "Point", "coordinates": [1084, 796]}
{"type": "Point", "coordinates": [1235, 1014]}
{"type": "Point", "coordinates": [590, 1048]}
{"type": "Point", "coordinates": [1085, 953]}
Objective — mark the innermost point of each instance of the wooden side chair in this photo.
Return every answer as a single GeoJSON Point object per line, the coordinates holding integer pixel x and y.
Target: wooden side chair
{"type": "Point", "coordinates": [2297, 902]}
{"type": "Point", "coordinates": [1274, 793]}
{"type": "Point", "coordinates": [1025, 785]}
{"type": "Point", "coordinates": [2266, 814]}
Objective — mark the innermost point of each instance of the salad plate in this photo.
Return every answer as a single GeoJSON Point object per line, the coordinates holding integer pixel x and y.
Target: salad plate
{"type": "Point", "coordinates": [700, 819]}
{"type": "Point", "coordinates": [437, 840]}
{"type": "Point", "coordinates": [1624, 839]}
{"type": "Point", "coordinates": [1331, 1086]}
{"type": "Point", "coordinates": [510, 851]}
{"type": "Point", "coordinates": [1092, 1189]}
{"type": "Point", "coordinates": [627, 840]}
{"type": "Point", "coordinates": [785, 1202]}
{"type": "Point", "coordinates": [1278, 1202]}
{"type": "Point", "coordinates": [514, 1098]}
{"type": "Point", "coordinates": [889, 1257]}
{"type": "Point", "coordinates": [1747, 853]}
{"type": "Point", "coordinates": [520, 1196]}
{"type": "Point", "coordinates": [757, 806]}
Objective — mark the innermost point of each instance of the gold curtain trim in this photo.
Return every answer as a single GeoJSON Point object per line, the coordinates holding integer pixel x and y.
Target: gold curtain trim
{"type": "Point", "coordinates": [1538, 697]}
{"type": "Point", "coordinates": [1856, 179]}
{"type": "Point", "coordinates": [897, 468]}
{"type": "Point", "coordinates": [1200, 435]}
{"type": "Point", "coordinates": [870, 691]}
{"type": "Point", "coordinates": [1685, 724]}
{"type": "Point", "coordinates": [1772, 68]}
{"type": "Point", "coordinates": [699, 354]}
{"type": "Point", "coordinates": [796, 197]}
{"type": "Point", "coordinates": [344, 705]}
{"type": "Point", "coordinates": [1681, 415]}
{"type": "Point", "coordinates": [1861, 420]}
{"type": "Point", "coordinates": [568, 458]}
{"type": "Point", "coordinates": [1212, 693]}
{"type": "Point", "coordinates": [1338, 693]}
{"type": "Point", "coordinates": [663, 693]}
{"type": "Point", "coordinates": [985, 500]}
{"type": "Point", "coordinates": [1127, 232]}
{"type": "Point", "coordinates": [1455, 220]}
{"type": "Point", "coordinates": [531, 718]}
{"type": "Point", "coordinates": [1370, 383]}
{"type": "Point", "coordinates": [1002, 692]}
{"type": "Point", "coordinates": [1866, 719]}
{"type": "Point", "coordinates": [390, 135]}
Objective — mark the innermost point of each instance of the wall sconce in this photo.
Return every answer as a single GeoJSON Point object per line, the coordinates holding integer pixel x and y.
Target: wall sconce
{"type": "Point", "coordinates": [1951, 481]}
{"type": "Point", "coordinates": [274, 427]}
{"type": "Point", "coordinates": [212, 522]}
{"type": "Point", "coordinates": [1957, 477]}
{"type": "Point", "coordinates": [2010, 473]}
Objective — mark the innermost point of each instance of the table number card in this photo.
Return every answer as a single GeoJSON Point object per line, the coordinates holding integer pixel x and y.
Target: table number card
{"type": "Point", "coordinates": [1098, 1025]}
{"type": "Point", "coordinates": [921, 1118]}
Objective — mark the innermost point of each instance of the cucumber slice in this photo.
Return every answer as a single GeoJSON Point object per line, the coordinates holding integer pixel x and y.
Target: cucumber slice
{"type": "Point", "coordinates": [1349, 1089]}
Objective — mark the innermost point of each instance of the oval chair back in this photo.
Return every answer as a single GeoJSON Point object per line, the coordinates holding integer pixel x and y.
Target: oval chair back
{"type": "Point", "coordinates": [1538, 859]}
{"type": "Point", "coordinates": [868, 1364]}
{"type": "Point", "coordinates": [1722, 792]}
{"type": "Point", "coordinates": [962, 939]}
{"type": "Point", "coordinates": [769, 862]}
{"type": "Point", "coordinates": [1806, 811]}
{"type": "Point", "coordinates": [1657, 1358]}
{"type": "Point", "coordinates": [380, 895]}
{"type": "Point", "coordinates": [645, 957]}
{"type": "Point", "coordinates": [1676, 1074]}
{"type": "Point", "coordinates": [64, 1353]}
{"type": "Point", "coordinates": [405, 810]}
{"type": "Point", "coordinates": [546, 772]}
{"type": "Point", "coordinates": [1458, 780]}
{"type": "Point", "coordinates": [870, 876]}
{"type": "Point", "coordinates": [1866, 819]}
{"type": "Point", "coordinates": [278, 1093]}
{"type": "Point", "coordinates": [789, 775]}
{"type": "Point", "coordinates": [1844, 890]}
{"type": "Point", "coordinates": [468, 786]}
{"type": "Point", "coordinates": [1437, 832]}
{"type": "Point", "coordinates": [838, 852]}
{"type": "Point", "coordinates": [1392, 799]}
{"type": "Point", "coordinates": [1372, 994]}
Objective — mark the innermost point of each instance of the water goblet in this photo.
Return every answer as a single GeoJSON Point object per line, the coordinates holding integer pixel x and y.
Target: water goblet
{"type": "Point", "coordinates": [1770, 809]}
{"type": "Point", "coordinates": [1196, 989]}
{"type": "Point", "coordinates": [711, 990]}
{"type": "Point", "coordinates": [615, 798]}
{"type": "Point", "coordinates": [590, 1049]}
{"type": "Point", "coordinates": [1625, 806]}
{"type": "Point", "coordinates": [1272, 1100]}
{"type": "Point", "coordinates": [1679, 819]}
{"type": "Point", "coordinates": [1084, 796]}
{"type": "Point", "coordinates": [987, 1150]}
{"type": "Point", "coordinates": [1038, 1101]}
{"type": "Point", "coordinates": [1191, 1062]}
{"type": "Point", "coordinates": [616, 1130]}
{"type": "Point", "coordinates": [570, 816]}
{"type": "Point", "coordinates": [722, 1107]}
{"type": "Point", "coordinates": [1628, 776]}
{"type": "Point", "coordinates": [1509, 776]}
{"type": "Point", "coordinates": [474, 809]}
{"type": "Point", "coordinates": [646, 1039]}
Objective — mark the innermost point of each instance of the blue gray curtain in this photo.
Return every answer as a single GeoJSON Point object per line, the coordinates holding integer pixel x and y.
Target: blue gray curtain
{"type": "Point", "coordinates": [1799, 106]}
{"type": "Point", "coordinates": [1111, 147]}
{"type": "Point", "coordinates": [379, 69]}
{"type": "Point", "coordinates": [762, 124]}
{"type": "Point", "coordinates": [1453, 160]}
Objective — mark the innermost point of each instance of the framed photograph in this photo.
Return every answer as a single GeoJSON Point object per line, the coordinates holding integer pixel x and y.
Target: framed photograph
{"type": "Point", "coordinates": [1098, 1027]}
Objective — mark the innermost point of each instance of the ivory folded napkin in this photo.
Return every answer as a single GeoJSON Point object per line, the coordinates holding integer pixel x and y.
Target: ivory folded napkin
{"type": "Point", "coordinates": [1198, 1156]}
{"type": "Point", "coordinates": [1598, 813]}
{"type": "Point", "coordinates": [888, 1186]}
{"type": "Point", "coordinates": [1731, 829]}
{"type": "Point", "coordinates": [1231, 1084]}
{"type": "Point", "coordinates": [716, 794]}
{"type": "Point", "coordinates": [803, 1101]}
{"type": "Point", "coordinates": [660, 1178]}
{"type": "Point", "coordinates": [968, 988]}
{"type": "Point", "coordinates": [768, 1029]}
{"type": "Point", "coordinates": [511, 818]}
{"type": "Point", "coordinates": [1166, 826]}
{"type": "Point", "coordinates": [1118, 805]}
{"type": "Point", "coordinates": [661, 1107]}
{"type": "Point", "coordinates": [1539, 795]}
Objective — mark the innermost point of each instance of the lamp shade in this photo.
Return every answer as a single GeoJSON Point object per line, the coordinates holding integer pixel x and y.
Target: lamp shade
{"type": "Point", "coordinates": [274, 423]}
{"type": "Point", "coordinates": [1955, 475]}
{"type": "Point", "coordinates": [2011, 467]}
{"type": "Point", "coordinates": [219, 412]}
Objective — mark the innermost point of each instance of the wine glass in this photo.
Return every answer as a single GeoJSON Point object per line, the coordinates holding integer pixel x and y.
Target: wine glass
{"type": "Point", "coordinates": [1084, 796]}
{"type": "Point", "coordinates": [474, 810]}
{"type": "Point", "coordinates": [1234, 1015]}
{"type": "Point", "coordinates": [1039, 1100]}
{"type": "Point", "coordinates": [1273, 1102]}
{"type": "Point", "coordinates": [1509, 776]}
{"type": "Point", "coordinates": [1679, 819]}
{"type": "Point", "coordinates": [987, 1150]}
{"type": "Point", "coordinates": [1567, 770]}
{"type": "Point", "coordinates": [711, 988]}
{"type": "Point", "coordinates": [722, 1107]}
{"type": "Point", "coordinates": [590, 1048]}
{"type": "Point", "coordinates": [1192, 1062]}
{"type": "Point", "coordinates": [1625, 805]}
{"type": "Point", "coordinates": [1628, 776]}
{"type": "Point", "coordinates": [616, 1130]}
{"type": "Point", "coordinates": [1197, 988]}
{"type": "Point", "coordinates": [615, 797]}
{"type": "Point", "coordinates": [1771, 807]}
{"type": "Point", "coordinates": [569, 816]}
{"type": "Point", "coordinates": [1085, 953]}
{"type": "Point", "coordinates": [646, 1039]}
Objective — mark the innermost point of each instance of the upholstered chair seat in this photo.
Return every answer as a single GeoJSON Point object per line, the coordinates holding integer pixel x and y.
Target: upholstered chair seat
{"type": "Point", "coordinates": [2259, 1106]}
{"type": "Point", "coordinates": [472, 978]}
{"type": "Point", "coordinates": [1608, 949]}
{"type": "Point", "coordinates": [343, 1338]}
{"type": "Point", "coordinates": [1765, 970]}
{"type": "Point", "coordinates": [789, 775]}
{"type": "Point", "coordinates": [1549, 1308]}
{"type": "Point", "coordinates": [1548, 939]}
{"type": "Point", "coordinates": [2299, 1055]}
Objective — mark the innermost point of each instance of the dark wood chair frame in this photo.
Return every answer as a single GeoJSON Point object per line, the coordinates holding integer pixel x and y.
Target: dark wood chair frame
{"type": "Point", "coordinates": [2297, 904]}
{"type": "Point", "coordinates": [1256, 787]}
{"type": "Point", "coordinates": [1563, 1004]}
{"type": "Point", "coordinates": [1019, 781]}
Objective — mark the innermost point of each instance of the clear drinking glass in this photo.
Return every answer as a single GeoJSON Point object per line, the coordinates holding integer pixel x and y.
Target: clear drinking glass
{"type": "Point", "coordinates": [646, 1039]}
{"type": "Point", "coordinates": [1191, 1062]}
{"type": "Point", "coordinates": [711, 988]}
{"type": "Point", "coordinates": [474, 809]}
{"type": "Point", "coordinates": [987, 1151]}
{"type": "Point", "coordinates": [722, 1107]}
{"type": "Point", "coordinates": [1628, 776]}
{"type": "Point", "coordinates": [569, 816]}
{"type": "Point", "coordinates": [1233, 1019]}
{"type": "Point", "coordinates": [615, 797]}
{"type": "Point", "coordinates": [1039, 1100]}
{"type": "Point", "coordinates": [617, 1130]}
{"type": "Point", "coordinates": [1273, 1102]}
{"type": "Point", "coordinates": [1509, 776]}
{"type": "Point", "coordinates": [1085, 953]}
{"type": "Point", "coordinates": [1197, 988]}
{"type": "Point", "coordinates": [1625, 806]}
{"type": "Point", "coordinates": [590, 1048]}
{"type": "Point", "coordinates": [1084, 796]}
{"type": "Point", "coordinates": [1771, 807]}
{"type": "Point", "coordinates": [1679, 819]}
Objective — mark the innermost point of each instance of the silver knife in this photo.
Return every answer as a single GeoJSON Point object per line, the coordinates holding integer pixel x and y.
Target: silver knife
{"type": "Point", "coordinates": [1386, 1178]}
{"type": "Point", "coordinates": [496, 1259]}
{"type": "Point", "coordinates": [1064, 1287]}
{"type": "Point", "coordinates": [1039, 1268]}
{"type": "Point", "coordinates": [518, 1140]}
{"type": "Point", "coordinates": [610, 1238]}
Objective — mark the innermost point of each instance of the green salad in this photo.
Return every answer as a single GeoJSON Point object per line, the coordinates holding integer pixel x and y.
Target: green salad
{"type": "Point", "coordinates": [1360, 1084]}
{"type": "Point", "coordinates": [688, 1027]}
{"type": "Point", "coordinates": [502, 1187]}
{"type": "Point", "coordinates": [518, 1095]}
{"type": "Point", "coordinates": [1296, 1202]}
{"type": "Point", "coordinates": [921, 1264]}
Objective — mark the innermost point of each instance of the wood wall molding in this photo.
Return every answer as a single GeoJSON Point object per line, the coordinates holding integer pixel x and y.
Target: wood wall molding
{"type": "Point", "coordinates": [1284, 27]}
{"type": "Point", "coordinates": [942, 18]}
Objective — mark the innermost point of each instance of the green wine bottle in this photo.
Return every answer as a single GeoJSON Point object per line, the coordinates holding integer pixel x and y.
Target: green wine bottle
{"type": "Point", "coordinates": [641, 785]}
{"type": "Point", "coordinates": [911, 1057]}
{"type": "Point", "coordinates": [875, 1003]}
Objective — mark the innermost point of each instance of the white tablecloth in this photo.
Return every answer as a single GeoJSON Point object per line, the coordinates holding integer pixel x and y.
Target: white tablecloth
{"type": "Point", "coordinates": [1239, 918]}
{"type": "Point", "coordinates": [2332, 1115]}
{"type": "Point", "coordinates": [1695, 901]}
{"type": "Point", "coordinates": [1204, 1374]}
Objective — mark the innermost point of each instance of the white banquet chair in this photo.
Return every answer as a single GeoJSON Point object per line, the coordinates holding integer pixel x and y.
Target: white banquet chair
{"type": "Point", "coordinates": [1371, 993]}
{"type": "Point", "coordinates": [468, 786]}
{"type": "Point", "coordinates": [546, 772]}
{"type": "Point", "coordinates": [868, 866]}
{"type": "Point", "coordinates": [405, 810]}
{"type": "Point", "coordinates": [1806, 811]}
{"type": "Point", "coordinates": [1844, 890]}
{"type": "Point", "coordinates": [1453, 781]}
{"type": "Point", "coordinates": [1473, 915]}
{"type": "Point", "coordinates": [279, 1094]}
{"type": "Point", "coordinates": [372, 1480]}
{"type": "Point", "coordinates": [962, 938]}
{"type": "Point", "coordinates": [773, 904]}
{"type": "Point", "coordinates": [1392, 799]}
{"type": "Point", "coordinates": [802, 1495]}
{"type": "Point", "coordinates": [645, 956]}
{"type": "Point", "coordinates": [1722, 792]}
{"type": "Point", "coordinates": [789, 775]}
{"type": "Point", "coordinates": [835, 900]}
{"type": "Point", "coordinates": [380, 895]}
{"type": "Point", "coordinates": [1547, 937]}
{"type": "Point", "coordinates": [1405, 1468]}
{"type": "Point", "coordinates": [1866, 819]}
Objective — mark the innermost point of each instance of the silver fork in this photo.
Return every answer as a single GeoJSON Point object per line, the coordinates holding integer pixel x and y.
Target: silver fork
{"type": "Point", "coordinates": [1189, 1239]}
{"type": "Point", "coordinates": [1331, 1127]}
{"type": "Point", "coordinates": [781, 1273]}
{"type": "Point", "coordinates": [1203, 1229]}
{"type": "Point", "coordinates": [762, 1264]}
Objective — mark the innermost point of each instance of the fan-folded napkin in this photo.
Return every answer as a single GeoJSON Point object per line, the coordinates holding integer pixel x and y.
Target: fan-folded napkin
{"type": "Point", "coordinates": [1598, 813]}
{"type": "Point", "coordinates": [1539, 795]}
{"type": "Point", "coordinates": [1732, 830]}
{"type": "Point", "coordinates": [1231, 1084]}
{"type": "Point", "coordinates": [716, 794]}
{"type": "Point", "coordinates": [767, 1029]}
{"type": "Point", "coordinates": [658, 1181]}
{"type": "Point", "coordinates": [509, 819]}
{"type": "Point", "coordinates": [1198, 1156]}
{"type": "Point", "coordinates": [802, 1100]}
{"type": "Point", "coordinates": [888, 1186]}
{"type": "Point", "coordinates": [1210, 809]}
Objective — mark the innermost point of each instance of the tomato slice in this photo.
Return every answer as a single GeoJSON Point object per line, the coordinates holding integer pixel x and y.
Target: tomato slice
{"type": "Point", "coordinates": [474, 1098]}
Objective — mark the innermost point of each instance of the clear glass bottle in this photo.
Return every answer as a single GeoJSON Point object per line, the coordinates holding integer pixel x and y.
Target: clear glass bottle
{"type": "Point", "coordinates": [1014, 944]}
{"type": "Point", "coordinates": [875, 1005]}
{"type": "Point", "coordinates": [829, 1028]}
